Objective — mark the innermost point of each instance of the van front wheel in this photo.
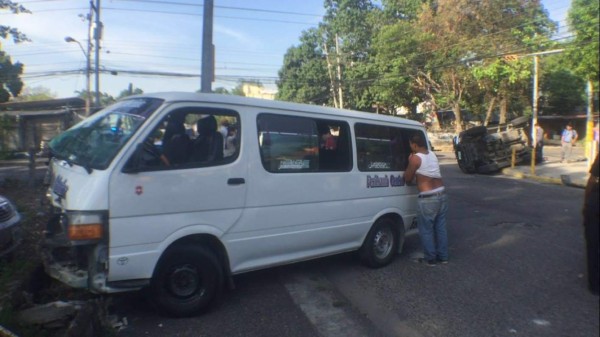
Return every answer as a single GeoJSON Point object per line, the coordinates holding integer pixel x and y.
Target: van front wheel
{"type": "Point", "coordinates": [187, 280]}
{"type": "Point", "coordinates": [381, 244]}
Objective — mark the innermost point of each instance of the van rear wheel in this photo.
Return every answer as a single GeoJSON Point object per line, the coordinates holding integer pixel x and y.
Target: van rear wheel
{"type": "Point", "coordinates": [381, 244]}
{"type": "Point", "coordinates": [186, 281]}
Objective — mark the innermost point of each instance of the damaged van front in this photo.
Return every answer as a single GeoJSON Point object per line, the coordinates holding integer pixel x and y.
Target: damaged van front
{"type": "Point", "coordinates": [75, 249]}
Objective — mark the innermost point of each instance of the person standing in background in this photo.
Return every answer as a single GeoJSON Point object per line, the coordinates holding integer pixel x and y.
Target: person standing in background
{"type": "Point", "coordinates": [567, 140]}
{"type": "Point", "coordinates": [539, 142]}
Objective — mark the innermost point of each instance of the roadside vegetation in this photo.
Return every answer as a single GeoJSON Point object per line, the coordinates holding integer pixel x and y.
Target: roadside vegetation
{"type": "Point", "coordinates": [458, 55]}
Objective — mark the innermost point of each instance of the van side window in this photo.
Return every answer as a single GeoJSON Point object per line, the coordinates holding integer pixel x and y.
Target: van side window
{"type": "Point", "coordinates": [301, 144]}
{"type": "Point", "coordinates": [193, 137]}
{"type": "Point", "coordinates": [382, 148]}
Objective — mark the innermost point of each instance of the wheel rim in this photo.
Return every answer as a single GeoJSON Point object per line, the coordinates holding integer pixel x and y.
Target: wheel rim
{"type": "Point", "coordinates": [383, 243]}
{"type": "Point", "coordinates": [184, 281]}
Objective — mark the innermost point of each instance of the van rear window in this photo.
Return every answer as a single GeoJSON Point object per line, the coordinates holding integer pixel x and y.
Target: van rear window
{"type": "Point", "coordinates": [300, 144]}
{"type": "Point", "coordinates": [382, 148]}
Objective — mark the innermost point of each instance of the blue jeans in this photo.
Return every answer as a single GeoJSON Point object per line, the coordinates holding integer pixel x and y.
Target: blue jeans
{"type": "Point", "coordinates": [432, 226]}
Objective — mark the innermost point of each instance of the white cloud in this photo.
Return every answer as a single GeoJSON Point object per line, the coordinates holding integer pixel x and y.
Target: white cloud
{"type": "Point", "coordinates": [239, 37]}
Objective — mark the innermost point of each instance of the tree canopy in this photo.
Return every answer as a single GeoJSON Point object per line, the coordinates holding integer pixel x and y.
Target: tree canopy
{"type": "Point", "coordinates": [10, 73]}
{"type": "Point", "coordinates": [455, 54]}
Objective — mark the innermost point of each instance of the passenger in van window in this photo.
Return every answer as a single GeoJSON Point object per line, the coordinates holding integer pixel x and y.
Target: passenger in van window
{"type": "Point", "coordinates": [224, 128]}
{"type": "Point", "coordinates": [328, 141]}
{"type": "Point", "coordinates": [432, 201]}
{"type": "Point", "coordinates": [174, 127]}
{"type": "Point", "coordinates": [176, 142]}
{"type": "Point", "coordinates": [208, 146]}
{"type": "Point", "coordinates": [230, 144]}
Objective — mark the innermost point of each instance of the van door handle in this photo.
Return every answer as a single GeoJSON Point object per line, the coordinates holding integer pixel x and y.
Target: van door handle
{"type": "Point", "coordinates": [236, 181]}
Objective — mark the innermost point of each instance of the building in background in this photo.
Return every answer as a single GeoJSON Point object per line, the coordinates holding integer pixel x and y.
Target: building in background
{"type": "Point", "coordinates": [27, 125]}
{"type": "Point", "coordinates": [257, 91]}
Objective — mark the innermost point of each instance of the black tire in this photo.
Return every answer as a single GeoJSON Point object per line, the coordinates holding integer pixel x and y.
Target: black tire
{"type": "Point", "coordinates": [381, 244]}
{"type": "Point", "coordinates": [186, 281]}
{"type": "Point", "coordinates": [519, 121]}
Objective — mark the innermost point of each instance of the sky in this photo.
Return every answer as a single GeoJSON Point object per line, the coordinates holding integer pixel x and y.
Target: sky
{"type": "Point", "coordinates": [165, 36]}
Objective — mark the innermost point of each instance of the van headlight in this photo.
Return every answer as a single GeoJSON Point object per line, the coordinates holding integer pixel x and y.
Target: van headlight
{"type": "Point", "coordinates": [86, 226]}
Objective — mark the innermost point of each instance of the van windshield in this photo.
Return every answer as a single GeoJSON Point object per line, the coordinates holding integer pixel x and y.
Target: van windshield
{"type": "Point", "coordinates": [94, 142]}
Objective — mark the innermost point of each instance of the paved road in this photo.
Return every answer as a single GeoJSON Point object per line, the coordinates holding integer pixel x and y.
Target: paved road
{"type": "Point", "coordinates": [517, 269]}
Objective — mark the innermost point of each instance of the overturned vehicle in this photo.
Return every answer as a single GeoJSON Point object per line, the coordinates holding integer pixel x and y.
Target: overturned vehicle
{"type": "Point", "coordinates": [489, 149]}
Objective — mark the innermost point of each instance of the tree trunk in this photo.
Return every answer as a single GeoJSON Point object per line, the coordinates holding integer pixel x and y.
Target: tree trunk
{"type": "Point", "coordinates": [488, 115]}
{"type": "Point", "coordinates": [339, 72]}
{"type": "Point", "coordinates": [458, 117]}
{"type": "Point", "coordinates": [503, 109]}
{"type": "Point", "coordinates": [331, 79]}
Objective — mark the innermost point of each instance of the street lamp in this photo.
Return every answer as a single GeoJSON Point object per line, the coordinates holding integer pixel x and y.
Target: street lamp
{"type": "Point", "coordinates": [87, 74]}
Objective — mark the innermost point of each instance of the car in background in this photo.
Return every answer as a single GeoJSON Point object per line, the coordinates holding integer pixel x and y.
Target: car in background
{"type": "Point", "coordinates": [489, 149]}
{"type": "Point", "coordinates": [10, 227]}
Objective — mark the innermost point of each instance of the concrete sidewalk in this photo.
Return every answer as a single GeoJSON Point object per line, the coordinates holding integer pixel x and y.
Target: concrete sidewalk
{"type": "Point", "coordinates": [572, 173]}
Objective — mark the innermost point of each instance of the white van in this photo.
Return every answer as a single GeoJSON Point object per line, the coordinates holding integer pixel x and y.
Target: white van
{"type": "Point", "coordinates": [178, 192]}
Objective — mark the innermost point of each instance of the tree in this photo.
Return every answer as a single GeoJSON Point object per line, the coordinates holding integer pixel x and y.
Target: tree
{"type": "Point", "coordinates": [221, 90]}
{"type": "Point", "coordinates": [6, 31]}
{"type": "Point", "coordinates": [465, 42]}
{"type": "Point", "coordinates": [10, 74]}
{"type": "Point", "coordinates": [582, 52]}
{"type": "Point", "coordinates": [238, 90]}
{"type": "Point", "coordinates": [563, 91]}
{"type": "Point", "coordinates": [130, 91]}
{"type": "Point", "coordinates": [39, 93]}
{"type": "Point", "coordinates": [447, 44]}
{"type": "Point", "coordinates": [517, 27]}
{"type": "Point", "coordinates": [10, 77]}
{"type": "Point", "coordinates": [396, 56]}
{"type": "Point", "coordinates": [346, 35]}
{"type": "Point", "coordinates": [303, 76]}
{"type": "Point", "coordinates": [105, 98]}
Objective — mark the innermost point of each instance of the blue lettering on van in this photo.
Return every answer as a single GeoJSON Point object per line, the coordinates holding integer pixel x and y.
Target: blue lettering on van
{"type": "Point", "coordinates": [397, 180]}
{"type": "Point", "coordinates": [377, 181]}
{"type": "Point", "coordinates": [60, 187]}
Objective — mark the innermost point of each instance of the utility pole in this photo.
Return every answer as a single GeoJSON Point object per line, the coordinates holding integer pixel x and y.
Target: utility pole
{"type": "Point", "coordinates": [536, 95]}
{"type": "Point", "coordinates": [207, 48]}
{"type": "Point", "coordinates": [97, 38]}
{"type": "Point", "coordinates": [88, 63]}
{"type": "Point", "coordinates": [590, 147]}
{"type": "Point", "coordinates": [535, 100]}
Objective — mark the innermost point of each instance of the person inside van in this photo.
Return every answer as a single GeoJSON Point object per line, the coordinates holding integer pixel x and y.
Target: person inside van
{"type": "Point", "coordinates": [176, 142]}
{"type": "Point", "coordinates": [230, 144]}
{"type": "Point", "coordinates": [208, 146]}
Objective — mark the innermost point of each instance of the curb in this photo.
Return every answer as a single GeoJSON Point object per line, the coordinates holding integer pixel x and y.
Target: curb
{"type": "Point", "coordinates": [564, 180]}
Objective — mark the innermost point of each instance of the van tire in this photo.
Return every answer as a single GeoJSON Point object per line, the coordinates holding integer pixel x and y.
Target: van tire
{"type": "Point", "coordinates": [187, 280]}
{"type": "Point", "coordinates": [381, 244]}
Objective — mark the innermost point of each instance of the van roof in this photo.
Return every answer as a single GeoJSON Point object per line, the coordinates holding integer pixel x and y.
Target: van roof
{"type": "Point", "coordinates": [173, 97]}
